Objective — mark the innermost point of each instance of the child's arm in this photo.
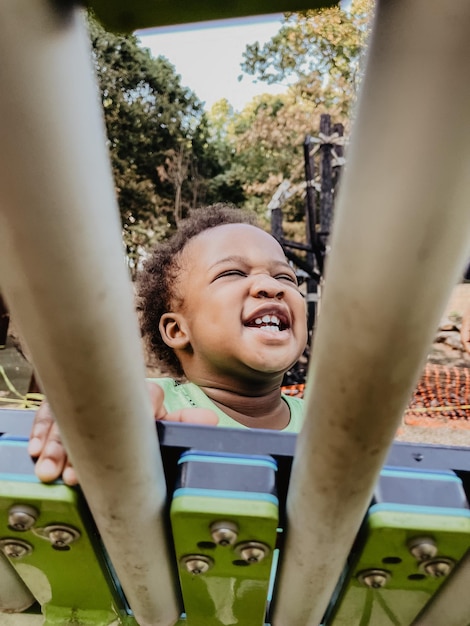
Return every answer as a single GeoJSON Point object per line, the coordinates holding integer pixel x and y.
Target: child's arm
{"type": "Point", "coordinates": [46, 446]}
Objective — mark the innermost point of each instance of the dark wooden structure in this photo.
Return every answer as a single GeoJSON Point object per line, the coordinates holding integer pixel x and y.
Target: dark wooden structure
{"type": "Point", "coordinates": [323, 161]}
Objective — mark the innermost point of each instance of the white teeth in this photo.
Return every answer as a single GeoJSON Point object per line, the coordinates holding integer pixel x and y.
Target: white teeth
{"type": "Point", "coordinates": [272, 329]}
{"type": "Point", "coordinates": [270, 322]}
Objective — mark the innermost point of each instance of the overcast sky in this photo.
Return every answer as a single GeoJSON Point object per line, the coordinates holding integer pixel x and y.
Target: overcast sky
{"type": "Point", "coordinates": [208, 56]}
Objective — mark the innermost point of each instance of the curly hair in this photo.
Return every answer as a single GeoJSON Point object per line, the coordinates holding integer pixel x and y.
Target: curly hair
{"type": "Point", "coordinates": [157, 281]}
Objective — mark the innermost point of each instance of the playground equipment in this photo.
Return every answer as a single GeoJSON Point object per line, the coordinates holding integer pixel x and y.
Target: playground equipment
{"type": "Point", "coordinates": [393, 264]}
{"type": "Point", "coordinates": [227, 514]}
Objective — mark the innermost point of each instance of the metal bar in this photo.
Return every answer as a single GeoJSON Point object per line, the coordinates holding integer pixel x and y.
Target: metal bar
{"type": "Point", "coordinates": [123, 15]}
{"type": "Point", "coordinates": [400, 241]}
{"type": "Point", "coordinates": [420, 456]}
{"type": "Point", "coordinates": [276, 223]}
{"type": "Point", "coordinates": [63, 275]}
{"type": "Point", "coordinates": [310, 202]}
{"type": "Point", "coordinates": [14, 595]}
{"type": "Point", "coordinates": [326, 178]}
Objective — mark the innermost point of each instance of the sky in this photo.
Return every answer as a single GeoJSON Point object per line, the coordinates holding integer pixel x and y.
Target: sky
{"type": "Point", "coordinates": [207, 56]}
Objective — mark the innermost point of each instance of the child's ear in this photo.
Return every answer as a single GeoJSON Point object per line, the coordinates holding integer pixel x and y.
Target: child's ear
{"type": "Point", "coordinates": [173, 331]}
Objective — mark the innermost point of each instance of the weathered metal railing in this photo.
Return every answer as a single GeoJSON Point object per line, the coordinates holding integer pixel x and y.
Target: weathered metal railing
{"type": "Point", "coordinates": [63, 275]}
{"type": "Point", "coordinates": [393, 263]}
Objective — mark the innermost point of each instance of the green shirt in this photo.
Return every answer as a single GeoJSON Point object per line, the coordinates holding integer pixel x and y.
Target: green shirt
{"type": "Point", "coordinates": [188, 395]}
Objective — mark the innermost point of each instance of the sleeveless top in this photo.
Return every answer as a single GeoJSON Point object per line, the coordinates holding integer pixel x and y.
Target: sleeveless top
{"type": "Point", "coordinates": [187, 395]}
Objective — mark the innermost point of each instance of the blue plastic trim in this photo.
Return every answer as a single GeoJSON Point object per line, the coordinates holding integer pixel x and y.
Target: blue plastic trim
{"type": "Point", "coordinates": [7, 437]}
{"type": "Point", "coordinates": [425, 510]}
{"type": "Point", "coordinates": [20, 478]}
{"type": "Point", "coordinates": [235, 459]}
{"type": "Point", "coordinates": [418, 473]}
{"type": "Point", "coordinates": [227, 495]}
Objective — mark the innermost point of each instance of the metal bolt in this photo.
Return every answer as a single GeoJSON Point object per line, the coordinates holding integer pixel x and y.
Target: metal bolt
{"type": "Point", "coordinates": [224, 533]}
{"type": "Point", "coordinates": [22, 517]}
{"type": "Point", "coordinates": [252, 551]}
{"type": "Point", "coordinates": [374, 578]}
{"type": "Point", "coordinates": [59, 535]}
{"type": "Point", "coordinates": [438, 568]}
{"type": "Point", "coordinates": [422, 548]}
{"type": "Point", "coordinates": [15, 548]}
{"type": "Point", "coordinates": [197, 563]}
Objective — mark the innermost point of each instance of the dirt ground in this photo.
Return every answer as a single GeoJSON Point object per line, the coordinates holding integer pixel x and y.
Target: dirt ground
{"type": "Point", "coordinates": [437, 430]}
{"type": "Point", "coordinates": [431, 431]}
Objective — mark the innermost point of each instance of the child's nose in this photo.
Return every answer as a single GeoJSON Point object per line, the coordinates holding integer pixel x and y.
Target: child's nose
{"type": "Point", "coordinates": [264, 286]}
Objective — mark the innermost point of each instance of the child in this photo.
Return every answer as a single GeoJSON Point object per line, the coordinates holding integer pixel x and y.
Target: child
{"type": "Point", "coordinates": [220, 307]}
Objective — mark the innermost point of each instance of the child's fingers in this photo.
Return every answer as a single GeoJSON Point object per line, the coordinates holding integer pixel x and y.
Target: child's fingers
{"type": "Point", "coordinates": [42, 424]}
{"type": "Point", "coordinates": [46, 446]}
{"type": "Point", "coordinates": [53, 458]}
{"type": "Point", "coordinates": [69, 475]}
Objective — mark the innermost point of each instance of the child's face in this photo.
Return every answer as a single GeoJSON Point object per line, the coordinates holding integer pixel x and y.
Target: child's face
{"type": "Point", "coordinates": [242, 312]}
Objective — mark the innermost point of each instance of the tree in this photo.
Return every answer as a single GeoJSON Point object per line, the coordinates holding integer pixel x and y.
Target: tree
{"type": "Point", "coordinates": [151, 120]}
{"type": "Point", "coordinates": [317, 53]}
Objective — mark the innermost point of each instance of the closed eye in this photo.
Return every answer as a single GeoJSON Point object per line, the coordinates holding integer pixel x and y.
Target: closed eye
{"type": "Point", "coordinates": [289, 277]}
{"type": "Point", "coordinates": [230, 273]}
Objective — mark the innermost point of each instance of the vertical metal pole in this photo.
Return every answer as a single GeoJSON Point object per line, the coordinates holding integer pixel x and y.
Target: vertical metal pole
{"type": "Point", "coordinates": [14, 595]}
{"type": "Point", "coordinates": [326, 176]}
{"type": "Point", "coordinates": [311, 214]}
{"type": "Point", "coordinates": [311, 235]}
{"type": "Point", "coordinates": [400, 240]}
{"type": "Point", "coordinates": [339, 149]}
{"type": "Point", "coordinates": [276, 223]}
{"type": "Point", "coordinates": [63, 274]}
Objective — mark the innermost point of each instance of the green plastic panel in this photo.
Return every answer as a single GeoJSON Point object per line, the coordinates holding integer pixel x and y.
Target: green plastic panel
{"type": "Point", "coordinates": [72, 582]}
{"type": "Point", "coordinates": [231, 591]}
{"type": "Point", "coordinates": [409, 587]}
{"type": "Point", "coordinates": [126, 16]}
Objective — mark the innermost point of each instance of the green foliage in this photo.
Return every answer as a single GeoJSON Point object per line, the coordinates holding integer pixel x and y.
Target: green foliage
{"type": "Point", "coordinates": [317, 52]}
{"type": "Point", "coordinates": [317, 55]}
{"type": "Point", "coordinates": [161, 149]}
{"type": "Point", "coordinates": [168, 155]}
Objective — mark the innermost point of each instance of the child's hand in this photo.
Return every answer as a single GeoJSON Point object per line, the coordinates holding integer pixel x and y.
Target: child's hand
{"type": "Point", "coordinates": [46, 446]}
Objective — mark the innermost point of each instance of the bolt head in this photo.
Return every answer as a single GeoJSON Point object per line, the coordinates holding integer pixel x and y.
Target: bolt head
{"type": "Point", "coordinates": [59, 535]}
{"type": "Point", "coordinates": [439, 567]}
{"type": "Point", "coordinates": [196, 564]}
{"type": "Point", "coordinates": [252, 551]}
{"type": "Point", "coordinates": [15, 548]}
{"type": "Point", "coordinates": [22, 517]}
{"type": "Point", "coordinates": [374, 578]}
{"type": "Point", "coordinates": [224, 533]}
{"type": "Point", "coordinates": [422, 548]}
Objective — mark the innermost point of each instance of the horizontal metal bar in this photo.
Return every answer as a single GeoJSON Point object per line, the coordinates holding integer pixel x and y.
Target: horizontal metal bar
{"type": "Point", "coordinates": [422, 456]}
{"type": "Point", "coordinates": [124, 15]}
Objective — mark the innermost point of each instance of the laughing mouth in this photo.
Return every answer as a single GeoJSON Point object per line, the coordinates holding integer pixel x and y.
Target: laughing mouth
{"type": "Point", "coordinates": [272, 323]}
